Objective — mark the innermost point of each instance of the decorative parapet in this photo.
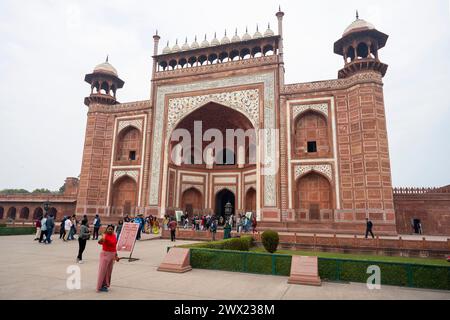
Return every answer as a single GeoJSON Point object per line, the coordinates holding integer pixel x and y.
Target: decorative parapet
{"type": "Point", "coordinates": [335, 84]}
{"type": "Point", "coordinates": [261, 61]}
{"type": "Point", "coordinates": [121, 107]}
{"type": "Point", "coordinates": [413, 191]}
{"type": "Point", "coordinates": [36, 197]}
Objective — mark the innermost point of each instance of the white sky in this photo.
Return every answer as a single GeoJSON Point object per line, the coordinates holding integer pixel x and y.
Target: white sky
{"type": "Point", "coordinates": [46, 48]}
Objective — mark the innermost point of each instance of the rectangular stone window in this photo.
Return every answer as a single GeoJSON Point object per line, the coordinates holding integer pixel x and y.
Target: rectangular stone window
{"type": "Point", "coordinates": [132, 155]}
{"type": "Point", "coordinates": [312, 146]}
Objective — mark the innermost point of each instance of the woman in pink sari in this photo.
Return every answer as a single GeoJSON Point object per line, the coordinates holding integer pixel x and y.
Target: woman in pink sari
{"type": "Point", "coordinates": [107, 258]}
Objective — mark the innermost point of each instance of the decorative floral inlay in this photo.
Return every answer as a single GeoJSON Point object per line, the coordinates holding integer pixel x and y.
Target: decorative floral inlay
{"type": "Point", "coordinates": [322, 168]}
{"type": "Point", "coordinates": [134, 174]}
{"type": "Point", "coordinates": [137, 123]}
{"type": "Point", "coordinates": [246, 101]}
{"type": "Point", "coordinates": [298, 109]}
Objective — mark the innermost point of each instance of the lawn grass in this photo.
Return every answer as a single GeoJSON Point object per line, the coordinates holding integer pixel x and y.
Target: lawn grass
{"type": "Point", "coordinates": [362, 257]}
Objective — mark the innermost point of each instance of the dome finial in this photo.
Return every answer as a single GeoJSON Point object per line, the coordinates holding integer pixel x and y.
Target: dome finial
{"type": "Point", "coordinates": [357, 15]}
{"type": "Point", "coordinates": [107, 57]}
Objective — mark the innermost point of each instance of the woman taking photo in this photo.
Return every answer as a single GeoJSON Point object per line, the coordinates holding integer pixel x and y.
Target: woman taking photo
{"type": "Point", "coordinates": [107, 258]}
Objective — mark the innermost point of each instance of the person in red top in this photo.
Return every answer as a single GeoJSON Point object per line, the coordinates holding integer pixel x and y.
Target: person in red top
{"type": "Point", "coordinates": [254, 223]}
{"type": "Point", "coordinates": [107, 258]}
{"type": "Point", "coordinates": [173, 229]}
{"type": "Point", "coordinates": [38, 228]}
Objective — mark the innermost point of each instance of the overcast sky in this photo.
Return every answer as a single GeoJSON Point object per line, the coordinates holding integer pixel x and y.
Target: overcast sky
{"type": "Point", "coordinates": [46, 48]}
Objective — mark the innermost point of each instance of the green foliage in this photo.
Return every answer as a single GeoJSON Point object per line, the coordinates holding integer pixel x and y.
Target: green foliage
{"type": "Point", "coordinates": [62, 189]}
{"type": "Point", "coordinates": [42, 190]}
{"type": "Point", "coordinates": [395, 274]}
{"type": "Point", "coordinates": [2, 225]}
{"type": "Point", "coordinates": [270, 240]}
{"type": "Point", "coordinates": [238, 244]}
{"type": "Point", "coordinates": [16, 231]}
{"type": "Point", "coordinates": [431, 277]}
{"type": "Point", "coordinates": [240, 261]}
{"type": "Point", "coordinates": [14, 191]}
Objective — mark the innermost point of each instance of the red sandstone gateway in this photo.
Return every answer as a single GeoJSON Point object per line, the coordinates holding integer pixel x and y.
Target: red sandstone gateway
{"type": "Point", "coordinates": [330, 147]}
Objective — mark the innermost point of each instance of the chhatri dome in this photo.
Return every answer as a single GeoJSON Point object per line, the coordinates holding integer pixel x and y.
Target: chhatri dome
{"type": "Point", "coordinates": [358, 25]}
{"type": "Point", "coordinates": [106, 67]}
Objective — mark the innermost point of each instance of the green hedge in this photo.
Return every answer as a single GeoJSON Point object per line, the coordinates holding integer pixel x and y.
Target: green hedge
{"type": "Point", "coordinates": [395, 274]}
{"type": "Point", "coordinates": [8, 231]}
{"type": "Point", "coordinates": [238, 244]}
{"type": "Point", "coordinates": [2, 225]}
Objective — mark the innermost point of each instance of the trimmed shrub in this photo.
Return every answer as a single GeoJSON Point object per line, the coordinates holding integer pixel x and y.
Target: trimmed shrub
{"type": "Point", "coordinates": [237, 244]}
{"type": "Point", "coordinates": [270, 240]}
{"type": "Point", "coordinates": [17, 231]}
{"type": "Point", "coordinates": [2, 225]}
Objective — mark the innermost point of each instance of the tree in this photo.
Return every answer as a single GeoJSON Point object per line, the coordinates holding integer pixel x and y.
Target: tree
{"type": "Point", "coordinates": [42, 190]}
{"type": "Point", "coordinates": [14, 191]}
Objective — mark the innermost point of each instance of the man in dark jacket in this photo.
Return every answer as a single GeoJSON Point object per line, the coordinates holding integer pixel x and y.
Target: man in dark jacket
{"type": "Point", "coordinates": [369, 226]}
{"type": "Point", "coordinates": [50, 223]}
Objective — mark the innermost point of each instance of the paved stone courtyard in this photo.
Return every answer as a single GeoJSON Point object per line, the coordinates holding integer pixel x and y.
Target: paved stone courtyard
{"type": "Point", "coordinates": [29, 270]}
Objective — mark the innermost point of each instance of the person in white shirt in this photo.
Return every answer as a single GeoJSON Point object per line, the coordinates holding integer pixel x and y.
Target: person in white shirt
{"type": "Point", "coordinates": [43, 228]}
{"type": "Point", "coordinates": [67, 227]}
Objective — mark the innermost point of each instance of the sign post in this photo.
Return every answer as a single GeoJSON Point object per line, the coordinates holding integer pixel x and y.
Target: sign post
{"type": "Point", "coordinates": [127, 239]}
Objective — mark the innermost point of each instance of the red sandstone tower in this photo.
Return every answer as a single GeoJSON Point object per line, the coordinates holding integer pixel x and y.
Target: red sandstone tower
{"type": "Point", "coordinates": [366, 185]}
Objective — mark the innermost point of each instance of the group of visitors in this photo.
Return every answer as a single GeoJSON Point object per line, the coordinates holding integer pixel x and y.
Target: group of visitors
{"type": "Point", "coordinates": [244, 223]}
{"type": "Point", "coordinates": [44, 229]}
{"type": "Point", "coordinates": [148, 225]}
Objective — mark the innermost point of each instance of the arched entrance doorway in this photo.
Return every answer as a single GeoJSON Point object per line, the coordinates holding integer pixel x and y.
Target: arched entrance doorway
{"type": "Point", "coordinates": [53, 212]}
{"type": "Point", "coordinates": [210, 146]}
{"type": "Point", "coordinates": [38, 213]}
{"type": "Point", "coordinates": [314, 194]}
{"type": "Point", "coordinates": [191, 201]}
{"type": "Point", "coordinates": [250, 200]}
{"type": "Point", "coordinates": [124, 195]}
{"type": "Point", "coordinates": [2, 212]}
{"type": "Point", "coordinates": [222, 198]}
{"type": "Point", "coordinates": [24, 213]}
{"type": "Point", "coordinates": [12, 213]}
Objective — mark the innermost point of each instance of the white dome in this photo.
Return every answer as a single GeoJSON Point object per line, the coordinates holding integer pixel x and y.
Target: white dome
{"type": "Point", "coordinates": [205, 43]}
{"type": "Point", "coordinates": [257, 33]}
{"type": "Point", "coordinates": [215, 41]}
{"type": "Point", "coordinates": [246, 35]}
{"type": "Point", "coordinates": [195, 44]}
{"type": "Point", "coordinates": [106, 67]}
{"type": "Point", "coordinates": [358, 25]}
{"type": "Point", "coordinates": [167, 49]}
{"type": "Point", "coordinates": [176, 47]}
{"type": "Point", "coordinates": [268, 32]}
{"type": "Point", "coordinates": [225, 39]}
{"type": "Point", "coordinates": [235, 38]}
{"type": "Point", "coordinates": [186, 46]}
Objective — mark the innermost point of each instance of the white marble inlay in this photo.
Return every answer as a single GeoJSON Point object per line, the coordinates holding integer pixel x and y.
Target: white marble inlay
{"type": "Point", "coordinates": [325, 169]}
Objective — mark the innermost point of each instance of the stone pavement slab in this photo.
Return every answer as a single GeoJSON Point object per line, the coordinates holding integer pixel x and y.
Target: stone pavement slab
{"type": "Point", "coordinates": [29, 270]}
